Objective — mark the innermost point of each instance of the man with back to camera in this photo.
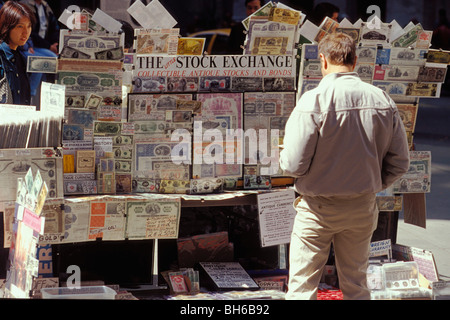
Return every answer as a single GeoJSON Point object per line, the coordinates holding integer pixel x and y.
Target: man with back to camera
{"type": "Point", "coordinates": [344, 142]}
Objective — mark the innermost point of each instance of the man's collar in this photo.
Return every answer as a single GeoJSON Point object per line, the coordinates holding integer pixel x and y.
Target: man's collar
{"type": "Point", "coordinates": [335, 75]}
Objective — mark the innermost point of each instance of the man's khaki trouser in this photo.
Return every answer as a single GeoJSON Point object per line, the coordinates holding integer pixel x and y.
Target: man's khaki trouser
{"type": "Point", "coordinates": [349, 223]}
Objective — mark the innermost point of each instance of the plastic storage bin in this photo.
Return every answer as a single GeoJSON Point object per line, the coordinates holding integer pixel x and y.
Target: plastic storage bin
{"type": "Point", "coordinates": [94, 292]}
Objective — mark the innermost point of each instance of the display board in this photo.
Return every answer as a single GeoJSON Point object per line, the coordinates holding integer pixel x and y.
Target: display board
{"type": "Point", "coordinates": [150, 128]}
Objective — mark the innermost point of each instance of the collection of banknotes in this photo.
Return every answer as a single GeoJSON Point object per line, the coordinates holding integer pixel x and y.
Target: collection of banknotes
{"type": "Point", "coordinates": [397, 60]}
{"type": "Point", "coordinates": [121, 142]}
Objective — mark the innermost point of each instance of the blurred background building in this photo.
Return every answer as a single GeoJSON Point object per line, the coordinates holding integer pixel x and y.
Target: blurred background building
{"type": "Point", "coordinates": [198, 15]}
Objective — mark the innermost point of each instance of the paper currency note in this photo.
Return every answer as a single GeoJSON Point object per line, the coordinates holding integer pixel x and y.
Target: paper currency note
{"type": "Point", "coordinates": [42, 64]}
{"type": "Point", "coordinates": [409, 39]}
{"type": "Point", "coordinates": [124, 166]}
{"type": "Point", "coordinates": [432, 74]}
{"type": "Point", "coordinates": [182, 84]}
{"type": "Point", "coordinates": [174, 186]}
{"type": "Point", "coordinates": [431, 90]}
{"type": "Point", "coordinates": [122, 140]}
{"type": "Point", "coordinates": [149, 127]}
{"type": "Point", "coordinates": [145, 185]}
{"type": "Point", "coordinates": [206, 185]}
{"type": "Point", "coordinates": [93, 101]}
{"type": "Point", "coordinates": [438, 56]}
{"type": "Point", "coordinates": [215, 83]}
{"type": "Point", "coordinates": [107, 128]}
{"type": "Point", "coordinates": [71, 53]}
{"type": "Point", "coordinates": [149, 84]}
{"type": "Point", "coordinates": [74, 101]}
{"type": "Point", "coordinates": [191, 46]}
{"type": "Point", "coordinates": [80, 187]}
{"type": "Point", "coordinates": [257, 182]}
{"type": "Point", "coordinates": [110, 54]}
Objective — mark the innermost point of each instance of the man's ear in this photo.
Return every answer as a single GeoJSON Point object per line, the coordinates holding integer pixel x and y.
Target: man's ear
{"type": "Point", "coordinates": [323, 61]}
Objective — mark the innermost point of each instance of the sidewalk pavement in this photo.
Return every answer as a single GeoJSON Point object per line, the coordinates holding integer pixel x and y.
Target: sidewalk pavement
{"type": "Point", "coordinates": [435, 238]}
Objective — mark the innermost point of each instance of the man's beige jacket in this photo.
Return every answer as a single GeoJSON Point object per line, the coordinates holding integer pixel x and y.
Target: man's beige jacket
{"type": "Point", "coordinates": [344, 137]}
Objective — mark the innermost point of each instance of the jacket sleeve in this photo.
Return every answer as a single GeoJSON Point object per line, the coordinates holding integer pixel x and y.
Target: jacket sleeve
{"type": "Point", "coordinates": [299, 143]}
{"type": "Point", "coordinates": [396, 161]}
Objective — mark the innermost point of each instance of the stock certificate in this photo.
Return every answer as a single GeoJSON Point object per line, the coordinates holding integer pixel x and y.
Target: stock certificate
{"type": "Point", "coordinates": [375, 36]}
{"type": "Point", "coordinates": [156, 41]}
{"type": "Point", "coordinates": [434, 73]}
{"type": "Point", "coordinates": [407, 56]}
{"type": "Point", "coordinates": [271, 38]}
{"type": "Point", "coordinates": [396, 73]}
{"type": "Point", "coordinates": [14, 163]}
{"type": "Point", "coordinates": [53, 213]}
{"type": "Point", "coordinates": [154, 157]}
{"type": "Point", "coordinates": [153, 218]}
{"type": "Point", "coordinates": [76, 219]}
{"type": "Point", "coordinates": [418, 177]}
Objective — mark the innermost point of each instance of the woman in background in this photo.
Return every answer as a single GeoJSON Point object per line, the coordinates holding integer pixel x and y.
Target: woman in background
{"type": "Point", "coordinates": [16, 22]}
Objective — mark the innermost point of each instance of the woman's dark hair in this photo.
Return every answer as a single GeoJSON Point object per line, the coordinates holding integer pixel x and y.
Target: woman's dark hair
{"type": "Point", "coordinates": [10, 14]}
